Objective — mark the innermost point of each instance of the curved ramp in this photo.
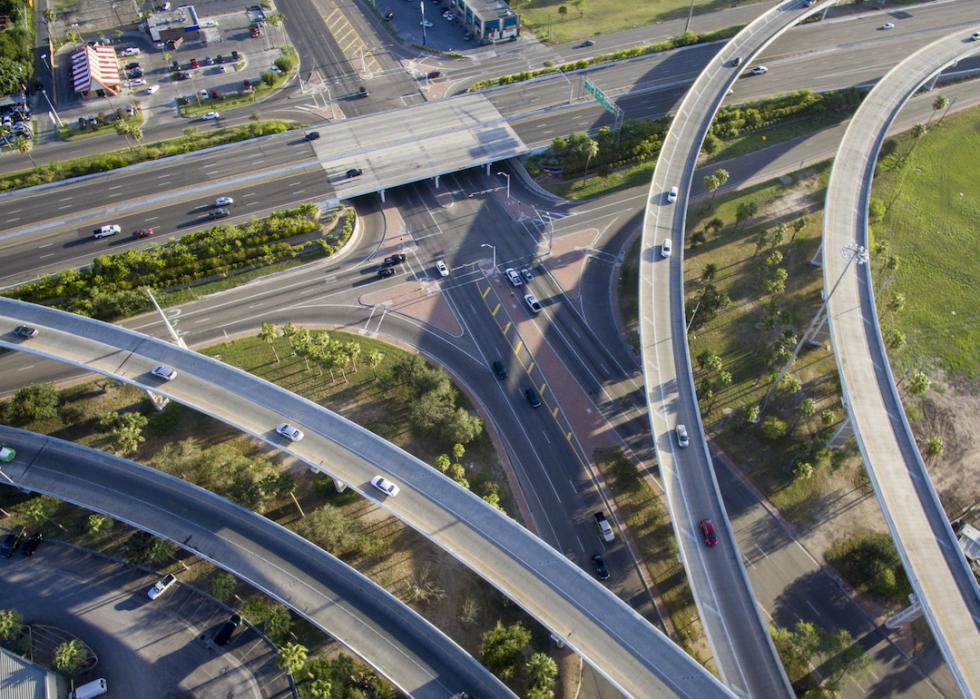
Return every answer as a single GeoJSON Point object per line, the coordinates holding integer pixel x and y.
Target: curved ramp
{"type": "Point", "coordinates": [611, 636]}
{"type": "Point", "coordinates": [943, 583]}
{"type": "Point", "coordinates": [401, 645]}
{"type": "Point", "coordinates": [739, 637]}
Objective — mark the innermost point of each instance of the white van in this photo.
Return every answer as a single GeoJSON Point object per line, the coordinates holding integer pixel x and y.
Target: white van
{"type": "Point", "coordinates": [95, 688]}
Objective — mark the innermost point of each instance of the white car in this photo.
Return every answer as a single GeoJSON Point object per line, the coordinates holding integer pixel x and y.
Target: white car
{"type": "Point", "coordinates": [106, 231]}
{"type": "Point", "coordinates": [224, 201]}
{"type": "Point", "coordinates": [759, 70]}
{"type": "Point", "coordinates": [449, 16]}
{"type": "Point", "coordinates": [152, 89]}
{"type": "Point", "coordinates": [682, 439]}
{"type": "Point", "coordinates": [131, 51]}
{"type": "Point", "coordinates": [136, 82]}
{"type": "Point", "coordinates": [532, 303]}
{"type": "Point", "coordinates": [672, 195]}
{"type": "Point", "coordinates": [161, 586]}
{"type": "Point", "coordinates": [385, 486]}
{"type": "Point", "coordinates": [975, 36]}
{"type": "Point", "coordinates": [665, 248]}
{"type": "Point", "coordinates": [289, 432]}
{"type": "Point", "coordinates": [425, 23]}
{"type": "Point", "coordinates": [443, 269]}
{"type": "Point", "coordinates": [164, 372]}
{"type": "Point", "coordinates": [887, 25]}
{"type": "Point", "coordinates": [514, 276]}
{"type": "Point", "coordinates": [210, 116]}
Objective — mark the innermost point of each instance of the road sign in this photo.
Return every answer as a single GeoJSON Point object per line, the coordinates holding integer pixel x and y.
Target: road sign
{"type": "Point", "coordinates": [601, 98]}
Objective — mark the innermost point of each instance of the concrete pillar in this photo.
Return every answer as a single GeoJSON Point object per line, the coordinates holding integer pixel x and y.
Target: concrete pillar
{"type": "Point", "coordinates": [437, 181]}
{"type": "Point", "coordinates": [488, 169]}
{"type": "Point", "coordinates": [382, 193]}
{"type": "Point", "coordinates": [907, 615]}
{"type": "Point", "coordinates": [339, 485]}
{"type": "Point", "coordinates": [841, 435]}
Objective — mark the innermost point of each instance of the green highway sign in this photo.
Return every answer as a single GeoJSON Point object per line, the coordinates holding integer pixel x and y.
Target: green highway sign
{"type": "Point", "coordinates": [600, 97]}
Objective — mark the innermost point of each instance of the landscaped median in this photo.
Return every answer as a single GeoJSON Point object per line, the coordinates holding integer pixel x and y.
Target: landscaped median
{"type": "Point", "coordinates": [679, 41]}
{"type": "Point", "coordinates": [191, 140]}
{"type": "Point", "coordinates": [269, 81]}
{"type": "Point", "coordinates": [113, 285]}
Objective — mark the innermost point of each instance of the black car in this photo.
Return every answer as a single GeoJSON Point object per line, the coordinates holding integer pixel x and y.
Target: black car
{"type": "Point", "coordinates": [227, 630]}
{"type": "Point", "coordinates": [389, 15]}
{"type": "Point", "coordinates": [131, 66]}
{"type": "Point", "coordinates": [386, 272]}
{"type": "Point", "coordinates": [499, 369]}
{"type": "Point", "coordinates": [601, 571]}
{"type": "Point", "coordinates": [12, 542]}
{"type": "Point", "coordinates": [134, 73]}
{"type": "Point", "coordinates": [393, 260]}
{"type": "Point", "coordinates": [532, 397]}
{"type": "Point", "coordinates": [362, 91]}
{"type": "Point", "coordinates": [354, 172]}
{"type": "Point", "coordinates": [175, 65]}
{"type": "Point", "coordinates": [312, 135]}
{"type": "Point", "coordinates": [33, 541]}
{"type": "Point", "coordinates": [235, 56]}
{"type": "Point", "coordinates": [218, 213]}
{"type": "Point", "coordinates": [25, 331]}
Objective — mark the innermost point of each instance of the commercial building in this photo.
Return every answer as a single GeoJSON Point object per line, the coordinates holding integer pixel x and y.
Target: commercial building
{"type": "Point", "coordinates": [174, 26]}
{"type": "Point", "coordinates": [489, 20]}
{"type": "Point", "coordinates": [95, 71]}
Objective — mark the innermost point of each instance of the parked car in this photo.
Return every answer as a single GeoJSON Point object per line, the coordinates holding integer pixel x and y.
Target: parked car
{"type": "Point", "coordinates": [139, 82]}
{"type": "Point", "coordinates": [385, 486]}
{"type": "Point", "coordinates": [362, 91]}
{"type": "Point", "coordinates": [599, 564]}
{"type": "Point", "coordinates": [254, 31]}
{"type": "Point", "coordinates": [221, 59]}
{"type": "Point", "coordinates": [527, 274]}
{"type": "Point", "coordinates": [247, 87]}
{"type": "Point", "coordinates": [134, 73]}
{"type": "Point", "coordinates": [513, 276]}
{"type": "Point", "coordinates": [467, 36]}
{"type": "Point", "coordinates": [181, 75]}
{"type": "Point", "coordinates": [234, 57]}
{"type": "Point", "coordinates": [25, 331]}
{"type": "Point", "coordinates": [389, 15]}
{"type": "Point", "coordinates": [12, 542]}
{"type": "Point", "coordinates": [143, 233]}
{"type": "Point", "coordinates": [208, 61]}
{"type": "Point", "coordinates": [174, 65]}
{"type": "Point", "coordinates": [532, 303]}
{"type": "Point", "coordinates": [194, 63]}
{"type": "Point", "coordinates": [708, 532]}
{"type": "Point", "coordinates": [106, 231]}
{"type": "Point", "coordinates": [164, 372]}
{"type": "Point", "coordinates": [227, 630]}
{"type": "Point", "coordinates": [33, 541]}
{"type": "Point", "coordinates": [291, 433]}
{"type": "Point", "coordinates": [426, 23]}
{"type": "Point", "coordinates": [161, 586]}
{"type": "Point", "coordinates": [132, 66]}
{"type": "Point", "coordinates": [7, 454]}
{"type": "Point", "coordinates": [130, 51]}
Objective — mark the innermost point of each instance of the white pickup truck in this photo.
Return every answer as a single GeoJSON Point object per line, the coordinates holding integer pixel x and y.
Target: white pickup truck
{"type": "Point", "coordinates": [106, 231]}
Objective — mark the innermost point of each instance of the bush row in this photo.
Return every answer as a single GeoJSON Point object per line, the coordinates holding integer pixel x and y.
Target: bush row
{"type": "Point", "coordinates": [191, 141]}
{"type": "Point", "coordinates": [112, 285]}
{"type": "Point", "coordinates": [685, 39]}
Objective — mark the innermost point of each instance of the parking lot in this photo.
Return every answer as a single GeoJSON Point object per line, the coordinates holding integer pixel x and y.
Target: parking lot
{"type": "Point", "coordinates": [443, 34]}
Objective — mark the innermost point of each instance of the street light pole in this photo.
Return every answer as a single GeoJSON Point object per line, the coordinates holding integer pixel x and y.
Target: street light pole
{"type": "Point", "coordinates": [504, 174]}
{"type": "Point", "coordinates": [422, 10]}
{"type": "Point", "coordinates": [856, 253]}
{"type": "Point", "coordinates": [494, 248]}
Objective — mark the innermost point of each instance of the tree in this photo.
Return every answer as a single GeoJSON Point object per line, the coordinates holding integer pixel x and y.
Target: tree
{"type": "Point", "coordinates": [941, 102]}
{"type": "Point", "coordinates": [918, 131]}
{"type": "Point", "coordinates": [374, 359]}
{"type": "Point", "coordinates": [934, 447]}
{"type": "Point", "coordinates": [458, 451]}
{"type": "Point", "coordinates": [752, 413]}
{"type": "Point", "coordinates": [709, 361]}
{"type": "Point", "coordinates": [918, 383]}
{"type": "Point", "coordinates": [48, 15]}
{"type": "Point", "coordinates": [803, 471]}
{"type": "Point", "coordinates": [443, 462]}
{"type": "Point", "coordinates": [502, 649]}
{"type": "Point", "coordinates": [773, 428]}
{"type": "Point", "coordinates": [562, 10]}
{"type": "Point", "coordinates": [329, 528]}
{"type": "Point", "coordinates": [798, 226]}
{"type": "Point", "coordinates": [222, 586]}
{"type": "Point", "coordinates": [319, 688]}
{"type": "Point", "coordinates": [98, 523]}
{"type": "Point", "coordinates": [35, 402]}
{"type": "Point", "coordinates": [162, 550]}
{"type": "Point", "coordinates": [278, 623]}
{"type": "Point", "coordinates": [38, 509]}
{"type": "Point", "coordinates": [10, 623]}
{"type": "Point", "coordinates": [541, 672]}
{"type": "Point", "coordinates": [722, 175]}
{"type": "Point", "coordinates": [70, 656]}
{"type": "Point", "coordinates": [744, 211]}
{"type": "Point", "coordinates": [797, 647]}
{"type": "Point", "coordinates": [709, 272]}
{"type": "Point", "coordinates": [896, 304]}
{"type": "Point", "coordinates": [808, 407]}
{"type": "Point", "coordinates": [712, 184]}
{"type": "Point", "coordinates": [268, 334]}
{"type": "Point", "coordinates": [827, 417]}
{"type": "Point", "coordinates": [292, 657]}
{"type": "Point", "coordinates": [11, 76]}
{"type": "Point", "coordinates": [463, 426]}
{"type": "Point", "coordinates": [711, 145]}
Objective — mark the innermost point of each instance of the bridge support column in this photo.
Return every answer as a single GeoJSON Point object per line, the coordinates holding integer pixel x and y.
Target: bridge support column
{"type": "Point", "coordinates": [907, 615]}
{"type": "Point", "coordinates": [841, 435]}
{"type": "Point", "coordinates": [382, 193]}
{"type": "Point", "coordinates": [817, 259]}
{"type": "Point", "coordinates": [437, 181]}
{"type": "Point", "coordinates": [339, 485]}
{"type": "Point", "coordinates": [488, 169]}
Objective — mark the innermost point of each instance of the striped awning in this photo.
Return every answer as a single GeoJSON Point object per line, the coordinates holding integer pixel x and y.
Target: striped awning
{"type": "Point", "coordinates": [95, 67]}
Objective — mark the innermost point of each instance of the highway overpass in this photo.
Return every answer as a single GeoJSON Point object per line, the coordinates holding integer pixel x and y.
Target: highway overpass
{"type": "Point", "coordinates": [617, 641]}
{"type": "Point", "coordinates": [943, 582]}
{"type": "Point", "coordinates": [738, 634]}
{"type": "Point", "coordinates": [388, 635]}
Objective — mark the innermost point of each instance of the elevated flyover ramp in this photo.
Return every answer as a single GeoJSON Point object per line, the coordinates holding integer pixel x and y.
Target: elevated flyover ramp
{"type": "Point", "coordinates": [416, 143]}
{"type": "Point", "coordinates": [942, 580]}
{"type": "Point", "coordinates": [387, 634]}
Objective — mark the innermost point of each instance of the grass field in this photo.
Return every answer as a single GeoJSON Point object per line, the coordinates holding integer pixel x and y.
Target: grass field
{"type": "Point", "coordinates": [932, 199]}
{"type": "Point", "coordinates": [585, 18]}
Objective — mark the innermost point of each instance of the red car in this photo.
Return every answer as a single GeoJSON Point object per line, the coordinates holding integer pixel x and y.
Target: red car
{"type": "Point", "coordinates": [143, 233]}
{"type": "Point", "coordinates": [254, 31]}
{"type": "Point", "coordinates": [708, 532]}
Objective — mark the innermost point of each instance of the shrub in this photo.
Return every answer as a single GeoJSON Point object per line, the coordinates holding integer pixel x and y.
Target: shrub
{"type": "Point", "coordinates": [773, 428]}
{"type": "Point", "coordinates": [870, 563]}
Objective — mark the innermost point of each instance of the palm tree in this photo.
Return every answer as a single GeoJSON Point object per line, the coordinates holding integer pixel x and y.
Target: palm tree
{"type": "Point", "coordinates": [941, 102]}
{"type": "Point", "coordinates": [268, 334]}
{"type": "Point", "coordinates": [70, 656]}
{"type": "Point", "coordinates": [25, 146]}
{"type": "Point", "coordinates": [292, 657]}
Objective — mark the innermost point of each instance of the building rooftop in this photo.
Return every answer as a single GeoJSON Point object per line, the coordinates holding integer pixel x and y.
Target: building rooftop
{"type": "Point", "coordinates": [490, 9]}
{"type": "Point", "coordinates": [184, 16]}
{"type": "Point", "coordinates": [21, 679]}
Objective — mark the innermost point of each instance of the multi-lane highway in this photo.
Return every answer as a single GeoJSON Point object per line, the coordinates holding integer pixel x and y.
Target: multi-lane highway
{"type": "Point", "coordinates": [615, 639]}
{"type": "Point", "coordinates": [740, 638]}
{"type": "Point", "coordinates": [943, 582]}
{"type": "Point", "coordinates": [400, 644]}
